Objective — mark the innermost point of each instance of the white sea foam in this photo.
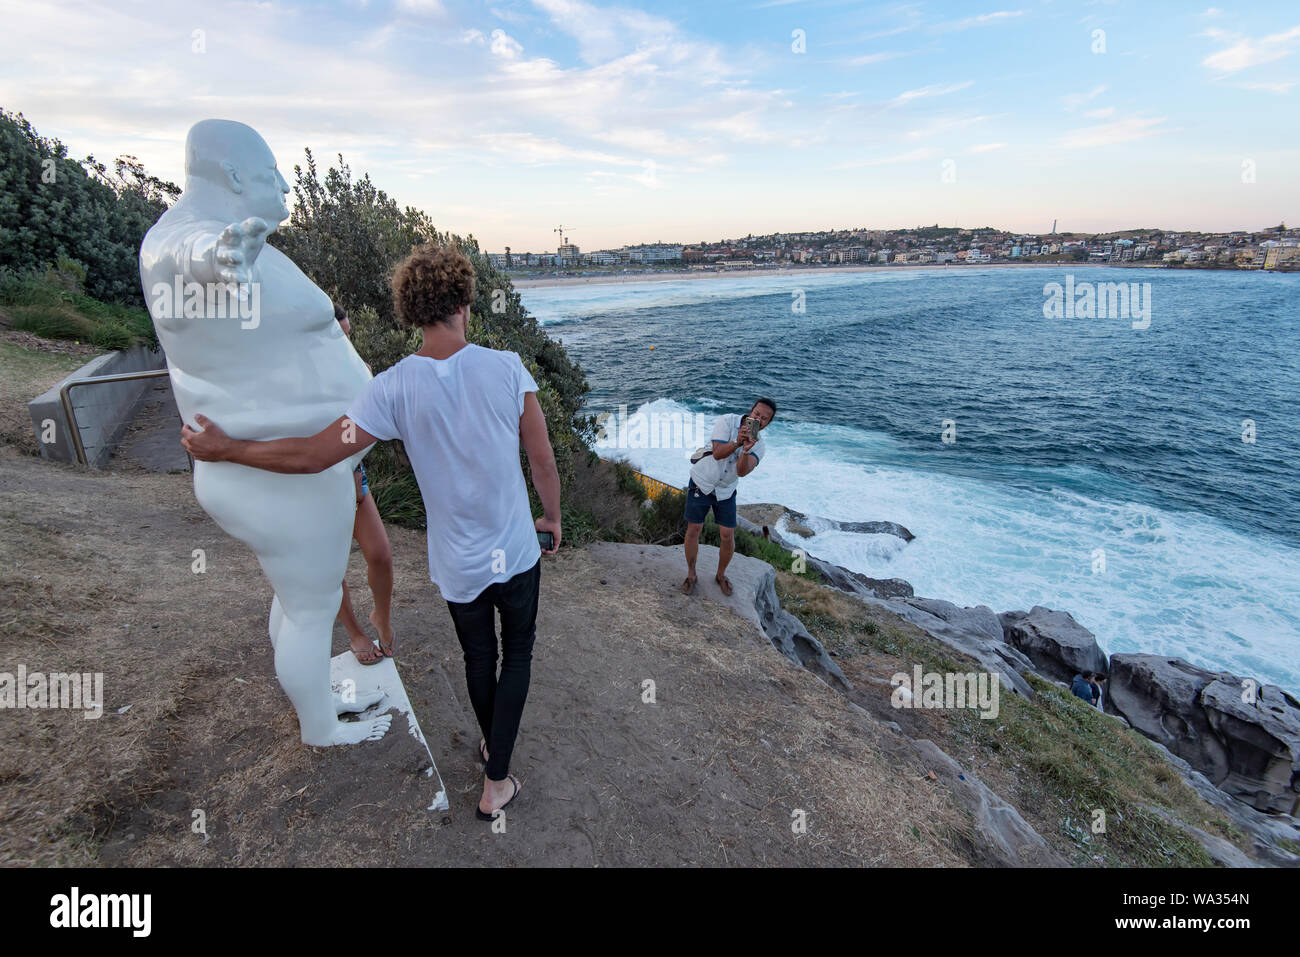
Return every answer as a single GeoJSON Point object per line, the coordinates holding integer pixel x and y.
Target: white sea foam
{"type": "Point", "coordinates": [1175, 583]}
{"type": "Point", "coordinates": [552, 304]}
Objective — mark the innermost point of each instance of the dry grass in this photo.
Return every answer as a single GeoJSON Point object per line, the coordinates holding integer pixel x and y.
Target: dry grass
{"type": "Point", "coordinates": [28, 366]}
{"type": "Point", "coordinates": [97, 577]}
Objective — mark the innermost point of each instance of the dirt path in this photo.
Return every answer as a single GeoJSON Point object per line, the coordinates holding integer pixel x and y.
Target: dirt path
{"type": "Point", "coordinates": [96, 575]}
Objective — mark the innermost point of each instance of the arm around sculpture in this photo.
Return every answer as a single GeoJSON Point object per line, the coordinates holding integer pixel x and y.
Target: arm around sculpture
{"type": "Point", "coordinates": [296, 456]}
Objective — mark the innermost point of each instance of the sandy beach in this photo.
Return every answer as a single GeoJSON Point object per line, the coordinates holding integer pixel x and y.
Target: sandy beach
{"type": "Point", "coordinates": [679, 275]}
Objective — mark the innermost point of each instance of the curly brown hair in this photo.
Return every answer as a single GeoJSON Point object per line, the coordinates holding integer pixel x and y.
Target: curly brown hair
{"type": "Point", "coordinates": [432, 283]}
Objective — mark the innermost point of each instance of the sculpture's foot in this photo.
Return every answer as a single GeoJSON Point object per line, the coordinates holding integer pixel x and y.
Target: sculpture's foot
{"type": "Point", "coordinates": [361, 701]}
{"type": "Point", "coordinates": [355, 732]}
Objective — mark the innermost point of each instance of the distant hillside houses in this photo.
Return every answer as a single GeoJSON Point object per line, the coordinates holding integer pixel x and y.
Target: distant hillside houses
{"type": "Point", "coordinates": [1274, 248]}
{"type": "Point", "coordinates": [570, 255]}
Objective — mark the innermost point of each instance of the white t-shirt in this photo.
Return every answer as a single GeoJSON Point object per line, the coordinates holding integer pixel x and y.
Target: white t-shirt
{"type": "Point", "coordinates": [719, 476]}
{"type": "Point", "coordinates": [459, 420]}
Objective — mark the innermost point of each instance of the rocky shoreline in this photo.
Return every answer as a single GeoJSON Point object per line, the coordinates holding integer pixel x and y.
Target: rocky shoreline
{"type": "Point", "coordinates": [1233, 739]}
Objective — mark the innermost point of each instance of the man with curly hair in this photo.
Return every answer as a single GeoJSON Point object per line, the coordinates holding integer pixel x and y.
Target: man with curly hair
{"type": "Point", "coordinates": [462, 412]}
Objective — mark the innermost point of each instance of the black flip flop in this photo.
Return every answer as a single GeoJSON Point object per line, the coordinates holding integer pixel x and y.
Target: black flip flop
{"type": "Point", "coordinates": [478, 813]}
{"type": "Point", "coordinates": [482, 752]}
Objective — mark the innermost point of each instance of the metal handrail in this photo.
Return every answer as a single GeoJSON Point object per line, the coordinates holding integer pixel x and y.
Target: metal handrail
{"type": "Point", "coordinates": [65, 397]}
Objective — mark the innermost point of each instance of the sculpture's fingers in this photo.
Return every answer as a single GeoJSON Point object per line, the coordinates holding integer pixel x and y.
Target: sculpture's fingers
{"type": "Point", "coordinates": [254, 227]}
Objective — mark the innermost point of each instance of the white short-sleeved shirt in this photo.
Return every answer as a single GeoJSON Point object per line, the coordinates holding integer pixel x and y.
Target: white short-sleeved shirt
{"type": "Point", "coordinates": [719, 476]}
{"type": "Point", "coordinates": [459, 420]}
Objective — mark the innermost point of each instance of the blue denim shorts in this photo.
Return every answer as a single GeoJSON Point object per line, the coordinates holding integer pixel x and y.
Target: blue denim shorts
{"type": "Point", "coordinates": [698, 506]}
{"type": "Point", "coordinates": [365, 486]}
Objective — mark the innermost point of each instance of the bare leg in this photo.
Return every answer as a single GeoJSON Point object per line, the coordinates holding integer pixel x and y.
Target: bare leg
{"type": "Point", "coordinates": [727, 537]}
{"type": "Point", "coordinates": [692, 550]}
{"type": "Point", "coordinates": [370, 535]}
{"type": "Point", "coordinates": [362, 646]}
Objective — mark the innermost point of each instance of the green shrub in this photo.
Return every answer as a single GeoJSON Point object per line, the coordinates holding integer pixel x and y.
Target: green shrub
{"type": "Point", "coordinates": [54, 209]}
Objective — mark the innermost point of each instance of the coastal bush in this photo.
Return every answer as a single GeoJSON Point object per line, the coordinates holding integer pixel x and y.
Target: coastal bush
{"type": "Point", "coordinates": [53, 207]}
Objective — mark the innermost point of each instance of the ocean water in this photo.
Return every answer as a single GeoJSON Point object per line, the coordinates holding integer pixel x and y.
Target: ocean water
{"type": "Point", "coordinates": [1097, 464]}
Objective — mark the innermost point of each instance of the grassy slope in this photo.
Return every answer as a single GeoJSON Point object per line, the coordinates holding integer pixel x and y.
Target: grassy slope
{"type": "Point", "coordinates": [52, 306]}
{"type": "Point", "coordinates": [1056, 759]}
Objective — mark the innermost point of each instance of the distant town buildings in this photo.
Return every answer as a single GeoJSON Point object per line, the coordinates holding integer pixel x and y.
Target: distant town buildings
{"type": "Point", "coordinates": [1275, 248]}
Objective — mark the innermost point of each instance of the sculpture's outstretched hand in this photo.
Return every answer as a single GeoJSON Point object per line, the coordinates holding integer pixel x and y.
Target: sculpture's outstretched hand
{"type": "Point", "coordinates": [208, 443]}
{"type": "Point", "coordinates": [238, 247]}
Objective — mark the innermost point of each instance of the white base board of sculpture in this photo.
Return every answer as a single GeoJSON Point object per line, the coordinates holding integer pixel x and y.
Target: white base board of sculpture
{"type": "Point", "coordinates": [345, 668]}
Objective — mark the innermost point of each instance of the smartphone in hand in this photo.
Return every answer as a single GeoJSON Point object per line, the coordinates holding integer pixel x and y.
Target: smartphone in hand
{"type": "Point", "coordinates": [546, 540]}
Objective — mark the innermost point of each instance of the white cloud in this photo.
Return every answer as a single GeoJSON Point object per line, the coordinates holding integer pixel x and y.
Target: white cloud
{"type": "Point", "coordinates": [944, 124]}
{"type": "Point", "coordinates": [504, 45]}
{"type": "Point", "coordinates": [913, 156]}
{"type": "Point", "coordinates": [935, 89]}
{"type": "Point", "coordinates": [1073, 101]}
{"type": "Point", "coordinates": [870, 58]}
{"type": "Point", "coordinates": [1281, 87]}
{"type": "Point", "coordinates": [983, 20]}
{"type": "Point", "coordinates": [986, 147]}
{"type": "Point", "coordinates": [1108, 134]}
{"type": "Point", "coordinates": [423, 8]}
{"type": "Point", "coordinates": [1100, 114]}
{"type": "Point", "coordinates": [1247, 52]}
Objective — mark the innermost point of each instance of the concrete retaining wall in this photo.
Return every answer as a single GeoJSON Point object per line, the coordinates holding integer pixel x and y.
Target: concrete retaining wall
{"type": "Point", "coordinates": [103, 411]}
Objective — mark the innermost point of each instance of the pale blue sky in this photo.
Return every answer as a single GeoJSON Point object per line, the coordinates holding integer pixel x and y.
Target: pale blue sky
{"type": "Point", "coordinates": [680, 121]}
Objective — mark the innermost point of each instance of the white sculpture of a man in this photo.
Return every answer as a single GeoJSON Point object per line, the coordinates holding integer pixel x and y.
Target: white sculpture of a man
{"type": "Point", "coordinates": [268, 362]}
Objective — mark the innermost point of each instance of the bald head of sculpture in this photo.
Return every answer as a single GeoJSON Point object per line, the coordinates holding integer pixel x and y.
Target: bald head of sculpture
{"type": "Point", "coordinates": [230, 173]}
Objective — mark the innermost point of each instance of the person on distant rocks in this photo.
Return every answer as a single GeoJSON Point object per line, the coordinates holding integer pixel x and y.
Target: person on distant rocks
{"type": "Point", "coordinates": [1097, 690]}
{"type": "Point", "coordinates": [1083, 688]}
{"type": "Point", "coordinates": [462, 411]}
{"type": "Point", "coordinates": [736, 451]}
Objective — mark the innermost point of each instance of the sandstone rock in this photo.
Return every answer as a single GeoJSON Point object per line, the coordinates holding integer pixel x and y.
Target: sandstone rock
{"type": "Point", "coordinates": [1008, 839]}
{"type": "Point", "coordinates": [799, 523]}
{"type": "Point", "coordinates": [1263, 742]}
{"type": "Point", "coordinates": [972, 631]}
{"type": "Point", "coordinates": [1249, 750]}
{"type": "Point", "coordinates": [1059, 646]}
{"type": "Point", "coordinates": [854, 583]}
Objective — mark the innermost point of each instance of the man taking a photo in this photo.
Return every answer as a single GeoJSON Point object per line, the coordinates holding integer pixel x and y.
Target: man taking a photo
{"type": "Point", "coordinates": [736, 452]}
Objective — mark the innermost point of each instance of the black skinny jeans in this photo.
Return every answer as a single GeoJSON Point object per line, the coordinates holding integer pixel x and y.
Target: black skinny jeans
{"type": "Point", "coordinates": [499, 702]}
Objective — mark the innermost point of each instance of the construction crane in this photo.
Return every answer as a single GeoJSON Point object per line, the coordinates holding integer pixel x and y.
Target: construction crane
{"type": "Point", "coordinates": [560, 230]}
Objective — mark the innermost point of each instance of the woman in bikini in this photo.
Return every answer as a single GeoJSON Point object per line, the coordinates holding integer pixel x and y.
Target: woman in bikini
{"type": "Point", "coordinates": [368, 530]}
